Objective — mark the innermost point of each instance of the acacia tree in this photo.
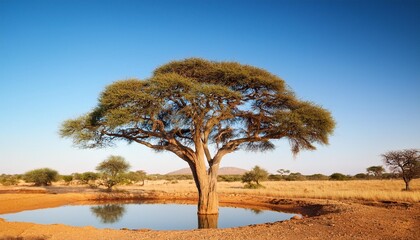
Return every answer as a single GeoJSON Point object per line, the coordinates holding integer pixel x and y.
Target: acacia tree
{"type": "Point", "coordinates": [202, 110]}
{"type": "Point", "coordinates": [112, 169]}
{"type": "Point", "coordinates": [405, 163]}
{"type": "Point", "coordinates": [256, 175]}
{"type": "Point", "coordinates": [375, 171]}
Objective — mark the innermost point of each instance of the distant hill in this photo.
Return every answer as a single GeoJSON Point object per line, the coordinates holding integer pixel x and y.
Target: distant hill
{"type": "Point", "coordinates": [222, 171]}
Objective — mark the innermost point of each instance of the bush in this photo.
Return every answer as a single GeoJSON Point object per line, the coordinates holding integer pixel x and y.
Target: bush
{"type": "Point", "coordinates": [361, 176]}
{"type": "Point", "coordinates": [338, 177]}
{"type": "Point", "coordinates": [317, 176]}
{"type": "Point", "coordinates": [41, 177]}
{"type": "Point", "coordinates": [275, 177]}
{"type": "Point", "coordinates": [8, 180]}
{"type": "Point", "coordinates": [295, 177]}
{"type": "Point", "coordinates": [229, 178]}
{"type": "Point", "coordinates": [88, 176]}
{"type": "Point", "coordinates": [67, 178]}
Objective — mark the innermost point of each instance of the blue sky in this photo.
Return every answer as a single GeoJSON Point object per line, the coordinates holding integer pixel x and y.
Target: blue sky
{"type": "Point", "coordinates": [359, 59]}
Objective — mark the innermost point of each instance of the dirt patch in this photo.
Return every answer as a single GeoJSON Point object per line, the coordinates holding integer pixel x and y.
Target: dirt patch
{"type": "Point", "coordinates": [322, 219]}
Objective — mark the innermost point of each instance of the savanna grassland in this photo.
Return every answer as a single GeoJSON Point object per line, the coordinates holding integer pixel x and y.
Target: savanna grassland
{"type": "Point", "coordinates": [370, 190]}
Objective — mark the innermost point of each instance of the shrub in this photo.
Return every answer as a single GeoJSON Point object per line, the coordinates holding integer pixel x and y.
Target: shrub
{"type": "Point", "coordinates": [8, 180]}
{"type": "Point", "coordinates": [67, 178]}
{"type": "Point", "coordinates": [317, 176]}
{"type": "Point", "coordinates": [295, 177]}
{"type": "Point", "coordinates": [86, 177]}
{"type": "Point", "coordinates": [338, 177]}
{"type": "Point", "coordinates": [229, 178]}
{"type": "Point", "coordinates": [41, 177]}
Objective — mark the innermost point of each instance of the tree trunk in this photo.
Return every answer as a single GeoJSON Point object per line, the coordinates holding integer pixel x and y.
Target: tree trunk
{"type": "Point", "coordinates": [206, 183]}
{"type": "Point", "coordinates": [407, 184]}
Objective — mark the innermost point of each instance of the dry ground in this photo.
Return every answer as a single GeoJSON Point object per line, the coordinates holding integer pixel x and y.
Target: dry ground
{"type": "Point", "coordinates": [340, 212]}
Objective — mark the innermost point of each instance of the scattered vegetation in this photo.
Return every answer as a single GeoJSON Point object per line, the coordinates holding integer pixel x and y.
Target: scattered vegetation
{"type": "Point", "coordinates": [9, 180]}
{"type": "Point", "coordinates": [41, 177]}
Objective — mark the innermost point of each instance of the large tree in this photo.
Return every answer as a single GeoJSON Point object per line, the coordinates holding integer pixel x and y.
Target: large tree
{"type": "Point", "coordinates": [405, 163]}
{"type": "Point", "coordinates": [202, 110]}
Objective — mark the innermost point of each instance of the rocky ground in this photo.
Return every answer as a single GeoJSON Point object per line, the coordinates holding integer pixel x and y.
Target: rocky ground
{"type": "Point", "coordinates": [323, 219]}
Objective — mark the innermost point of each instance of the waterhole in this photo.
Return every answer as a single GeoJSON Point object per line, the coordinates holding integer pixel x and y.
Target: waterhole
{"type": "Point", "coordinates": [155, 216]}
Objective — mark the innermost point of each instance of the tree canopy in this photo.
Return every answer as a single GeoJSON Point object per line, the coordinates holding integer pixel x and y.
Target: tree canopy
{"type": "Point", "coordinates": [195, 102]}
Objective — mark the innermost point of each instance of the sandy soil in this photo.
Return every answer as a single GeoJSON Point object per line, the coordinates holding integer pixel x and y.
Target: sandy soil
{"type": "Point", "coordinates": [323, 219]}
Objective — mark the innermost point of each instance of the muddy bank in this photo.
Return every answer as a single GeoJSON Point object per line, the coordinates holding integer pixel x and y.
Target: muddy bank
{"type": "Point", "coordinates": [323, 219]}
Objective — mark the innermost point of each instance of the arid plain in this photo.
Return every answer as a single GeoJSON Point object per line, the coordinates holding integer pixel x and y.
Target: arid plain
{"type": "Point", "coordinates": [374, 209]}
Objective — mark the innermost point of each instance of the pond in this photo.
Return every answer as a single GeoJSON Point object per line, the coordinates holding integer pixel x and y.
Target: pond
{"type": "Point", "coordinates": [146, 216]}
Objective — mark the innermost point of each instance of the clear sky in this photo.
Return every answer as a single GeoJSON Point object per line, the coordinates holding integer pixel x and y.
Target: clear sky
{"type": "Point", "coordinates": [359, 59]}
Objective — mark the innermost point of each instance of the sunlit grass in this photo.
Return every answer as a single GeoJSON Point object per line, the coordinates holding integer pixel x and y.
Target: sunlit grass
{"type": "Point", "coordinates": [377, 190]}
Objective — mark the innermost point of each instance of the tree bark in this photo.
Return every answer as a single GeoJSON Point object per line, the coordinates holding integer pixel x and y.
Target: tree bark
{"type": "Point", "coordinates": [206, 183]}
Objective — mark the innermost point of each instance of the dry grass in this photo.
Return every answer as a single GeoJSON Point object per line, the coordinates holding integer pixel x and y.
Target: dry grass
{"type": "Point", "coordinates": [376, 190]}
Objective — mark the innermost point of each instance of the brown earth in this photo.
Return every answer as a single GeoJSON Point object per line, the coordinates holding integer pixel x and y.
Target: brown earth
{"type": "Point", "coordinates": [323, 219]}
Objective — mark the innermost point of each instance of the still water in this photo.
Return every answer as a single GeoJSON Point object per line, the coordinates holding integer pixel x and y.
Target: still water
{"type": "Point", "coordinates": [142, 215]}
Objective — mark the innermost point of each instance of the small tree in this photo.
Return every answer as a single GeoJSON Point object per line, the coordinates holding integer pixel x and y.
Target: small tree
{"type": "Point", "coordinates": [376, 171]}
{"type": "Point", "coordinates": [112, 169]}
{"type": "Point", "coordinates": [41, 177]}
{"type": "Point", "coordinates": [256, 175]}
{"type": "Point", "coordinates": [404, 163]}
{"type": "Point", "coordinates": [283, 172]}
{"type": "Point", "coordinates": [86, 177]}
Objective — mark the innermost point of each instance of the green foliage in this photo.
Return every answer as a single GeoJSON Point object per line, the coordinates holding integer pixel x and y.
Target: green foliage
{"type": "Point", "coordinates": [361, 176]}
{"type": "Point", "coordinates": [295, 177]}
{"type": "Point", "coordinates": [256, 175]}
{"type": "Point", "coordinates": [229, 178]}
{"type": "Point", "coordinates": [67, 178]}
{"type": "Point", "coordinates": [8, 180]}
{"type": "Point", "coordinates": [283, 172]}
{"type": "Point", "coordinates": [134, 177]}
{"type": "Point", "coordinates": [232, 105]}
{"type": "Point", "coordinates": [375, 171]}
{"type": "Point", "coordinates": [338, 177]}
{"type": "Point", "coordinates": [275, 177]}
{"type": "Point", "coordinates": [41, 177]}
{"type": "Point", "coordinates": [317, 177]}
{"type": "Point", "coordinates": [113, 169]}
{"type": "Point", "coordinates": [86, 177]}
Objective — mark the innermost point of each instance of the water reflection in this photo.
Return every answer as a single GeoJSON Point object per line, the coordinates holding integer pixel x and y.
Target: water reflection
{"type": "Point", "coordinates": [256, 211]}
{"type": "Point", "coordinates": [108, 213]}
{"type": "Point", "coordinates": [208, 221]}
{"type": "Point", "coordinates": [156, 216]}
